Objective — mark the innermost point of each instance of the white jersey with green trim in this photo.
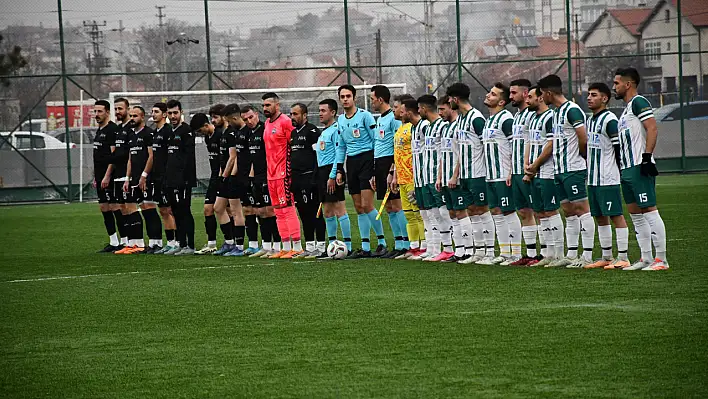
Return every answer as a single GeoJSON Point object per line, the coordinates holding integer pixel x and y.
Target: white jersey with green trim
{"type": "Point", "coordinates": [417, 146]}
{"type": "Point", "coordinates": [497, 147]}
{"type": "Point", "coordinates": [540, 133]}
{"type": "Point", "coordinates": [518, 141]}
{"type": "Point", "coordinates": [602, 136]}
{"type": "Point", "coordinates": [433, 135]}
{"type": "Point", "coordinates": [632, 134]}
{"type": "Point", "coordinates": [449, 151]}
{"type": "Point", "coordinates": [566, 151]}
{"type": "Point", "coordinates": [469, 138]}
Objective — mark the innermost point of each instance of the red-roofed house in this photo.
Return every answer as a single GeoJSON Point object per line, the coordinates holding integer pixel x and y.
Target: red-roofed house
{"type": "Point", "coordinates": [616, 27]}
{"type": "Point", "coordinates": [660, 36]}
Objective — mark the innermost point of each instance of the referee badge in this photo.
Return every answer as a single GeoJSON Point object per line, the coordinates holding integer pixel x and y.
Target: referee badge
{"type": "Point", "coordinates": [322, 145]}
{"type": "Point", "coordinates": [382, 134]}
{"type": "Point", "coordinates": [356, 133]}
{"type": "Point", "coordinates": [273, 131]}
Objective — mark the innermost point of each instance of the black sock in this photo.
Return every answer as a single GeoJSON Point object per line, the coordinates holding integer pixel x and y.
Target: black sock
{"type": "Point", "coordinates": [153, 226]}
{"type": "Point", "coordinates": [274, 229]}
{"type": "Point", "coordinates": [239, 233]}
{"type": "Point", "coordinates": [228, 230]}
{"type": "Point", "coordinates": [210, 226]}
{"type": "Point", "coordinates": [308, 228]}
{"type": "Point", "coordinates": [110, 222]}
{"type": "Point", "coordinates": [320, 228]}
{"type": "Point", "coordinates": [137, 226]}
{"type": "Point", "coordinates": [120, 223]}
{"type": "Point", "coordinates": [252, 228]}
{"type": "Point", "coordinates": [170, 235]}
{"type": "Point", "coordinates": [266, 235]}
{"type": "Point", "coordinates": [189, 226]}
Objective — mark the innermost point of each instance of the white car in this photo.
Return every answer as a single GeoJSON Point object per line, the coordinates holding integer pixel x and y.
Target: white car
{"type": "Point", "coordinates": [25, 141]}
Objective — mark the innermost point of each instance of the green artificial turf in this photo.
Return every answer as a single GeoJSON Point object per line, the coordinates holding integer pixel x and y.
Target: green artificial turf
{"type": "Point", "coordinates": [78, 324]}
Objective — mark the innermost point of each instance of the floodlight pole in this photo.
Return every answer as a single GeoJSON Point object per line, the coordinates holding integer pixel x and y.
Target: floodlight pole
{"type": "Point", "coordinates": [459, 43]}
{"type": "Point", "coordinates": [346, 38]}
{"type": "Point", "coordinates": [567, 39]}
{"type": "Point", "coordinates": [208, 47]}
{"type": "Point", "coordinates": [681, 83]}
{"type": "Point", "coordinates": [66, 101]}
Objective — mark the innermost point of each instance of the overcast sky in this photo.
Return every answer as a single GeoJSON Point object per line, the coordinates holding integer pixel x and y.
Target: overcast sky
{"type": "Point", "coordinates": [223, 15]}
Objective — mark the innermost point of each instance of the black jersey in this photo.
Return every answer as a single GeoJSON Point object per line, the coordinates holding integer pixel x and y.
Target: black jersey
{"type": "Point", "coordinates": [181, 162]}
{"type": "Point", "coordinates": [120, 155]}
{"type": "Point", "coordinates": [256, 150]}
{"type": "Point", "coordinates": [304, 158]}
{"type": "Point", "coordinates": [227, 140]}
{"type": "Point", "coordinates": [243, 159]}
{"type": "Point", "coordinates": [140, 141]}
{"type": "Point", "coordinates": [213, 144]}
{"type": "Point", "coordinates": [159, 151]}
{"type": "Point", "coordinates": [104, 139]}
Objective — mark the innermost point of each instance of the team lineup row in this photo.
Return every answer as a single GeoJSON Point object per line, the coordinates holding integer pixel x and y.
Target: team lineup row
{"type": "Point", "coordinates": [451, 180]}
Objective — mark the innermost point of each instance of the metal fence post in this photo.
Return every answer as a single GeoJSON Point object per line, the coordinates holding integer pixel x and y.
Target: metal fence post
{"type": "Point", "coordinates": [346, 38]}
{"type": "Point", "coordinates": [680, 72]}
{"type": "Point", "coordinates": [459, 42]}
{"type": "Point", "coordinates": [208, 46]}
{"type": "Point", "coordinates": [69, 191]}
{"type": "Point", "coordinates": [567, 36]}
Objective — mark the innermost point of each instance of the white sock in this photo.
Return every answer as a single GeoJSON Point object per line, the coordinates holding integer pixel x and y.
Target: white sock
{"type": "Point", "coordinates": [587, 229]}
{"type": "Point", "coordinates": [605, 235]}
{"type": "Point", "coordinates": [415, 244]}
{"type": "Point", "coordinates": [514, 223]}
{"type": "Point", "coordinates": [321, 246]}
{"type": "Point", "coordinates": [297, 245]}
{"type": "Point", "coordinates": [558, 234]}
{"type": "Point", "coordinates": [230, 242]}
{"type": "Point", "coordinates": [643, 232]}
{"type": "Point", "coordinates": [572, 234]}
{"type": "Point", "coordinates": [124, 241]}
{"type": "Point", "coordinates": [240, 247]}
{"type": "Point", "coordinates": [445, 223]}
{"type": "Point", "coordinates": [457, 236]}
{"type": "Point", "coordinates": [426, 233]}
{"type": "Point", "coordinates": [547, 234]}
{"type": "Point", "coordinates": [140, 243]}
{"type": "Point", "coordinates": [253, 245]}
{"type": "Point", "coordinates": [622, 242]}
{"type": "Point", "coordinates": [173, 243]}
{"type": "Point", "coordinates": [542, 240]}
{"type": "Point", "coordinates": [467, 232]}
{"type": "Point", "coordinates": [287, 246]}
{"type": "Point", "coordinates": [488, 231]}
{"type": "Point", "coordinates": [113, 240]}
{"type": "Point", "coordinates": [529, 233]}
{"type": "Point", "coordinates": [211, 244]}
{"type": "Point", "coordinates": [267, 246]}
{"type": "Point", "coordinates": [310, 246]}
{"type": "Point", "coordinates": [277, 246]}
{"type": "Point", "coordinates": [502, 228]}
{"type": "Point", "coordinates": [658, 233]}
{"type": "Point", "coordinates": [478, 235]}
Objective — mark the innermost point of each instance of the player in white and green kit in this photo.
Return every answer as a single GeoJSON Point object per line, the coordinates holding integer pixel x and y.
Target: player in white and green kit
{"type": "Point", "coordinates": [544, 195]}
{"type": "Point", "coordinates": [521, 191]}
{"type": "Point", "coordinates": [497, 155]}
{"type": "Point", "coordinates": [604, 178]}
{"type": "Point", "coordinates": [569, 152]}
{"type": "Point", "coordinates": [448, 183]}
{"type": "Point", "coordinates": [473, 172]}
{"type": "Point", "coordinates": [638, 134]}
{"type": "Point", "coordinates": [419, 126]}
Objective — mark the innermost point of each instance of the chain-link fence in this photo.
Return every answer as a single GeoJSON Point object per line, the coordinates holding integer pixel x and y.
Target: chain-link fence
{"type": "Point", "coordinates": [78, 51]}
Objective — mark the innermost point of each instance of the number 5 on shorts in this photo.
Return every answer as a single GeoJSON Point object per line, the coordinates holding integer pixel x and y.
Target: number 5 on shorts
{"type": "Point", "coordinates": [574, 187]}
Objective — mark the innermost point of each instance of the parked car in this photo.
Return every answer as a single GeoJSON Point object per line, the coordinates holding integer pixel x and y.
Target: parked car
{"type": "Point", "coordinates": [24, 141]}
{"type": "Point", "coordinates": [696, 110]}
{"type": "Point", "coordinates": [74, 132]}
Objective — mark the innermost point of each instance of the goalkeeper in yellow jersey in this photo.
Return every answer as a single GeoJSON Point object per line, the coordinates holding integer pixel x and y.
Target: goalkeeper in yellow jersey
{"type": "Point", "coordinates": [402, 180]}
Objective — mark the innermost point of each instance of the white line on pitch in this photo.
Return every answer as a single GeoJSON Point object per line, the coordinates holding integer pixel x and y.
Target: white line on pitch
{"type": "Point", "coordinates": [31, 280]}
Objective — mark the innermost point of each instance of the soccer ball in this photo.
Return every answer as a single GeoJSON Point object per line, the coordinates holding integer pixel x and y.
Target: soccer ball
{"type": "Point", "coordinates": [337, 250]}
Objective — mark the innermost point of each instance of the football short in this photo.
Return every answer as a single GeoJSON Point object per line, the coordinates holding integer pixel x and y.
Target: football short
{"type": "Point", "coordinates": [360, 170]}
{"type": "Point", "coordinates": [477, 188]}
{"type": "Point", "coordinates": [433, 198]}
{"type": "Point", "coordinates": [605, 200]}
{"type": "Point", "coordinates": [544, 196]}
{"type": "Point", "coordinates": [280, 195]}
{"type": "Point", "coordinates": [571, 185]}
{"type": "Point", "coordinates": [420, 198]}
{"type": "Point", "coordinates": [210, 197]}
{"type": "Point", "coordinates": [637, 188]}
{"type": "Point", "coordinates": [229, 188]}
{"type": "Point", "coordinates": [177, 196]}
{"type": "Point", "coordinates": [134, 195]}
{"type": "Point", "coordinates": [105, 195]}
{"type": "Point", "coordinates": [247, 198]}
{"type": "Point", "coordinates": [150, 196]}
{"type": "Point", "coordinates": [455, 198]}
{"type": "Point", "coordinates": [403, 190]}
{"type": "Point", "coordinates": [260, 192]}
{"type": "Point", "coordinates": [322, 178]}
{"type": "Point", "coordinates": [119, 196]}
{"type": "Point", "coordinates": [159, 195]}
{"type": "Point", "coordinates": [521, 192]}
{"type": "Point", "coordinates": [500, 196]}
{"type": "Point", "coordinates": [382, 166]}
{"type": "Point", "coordinates": [304, 188]}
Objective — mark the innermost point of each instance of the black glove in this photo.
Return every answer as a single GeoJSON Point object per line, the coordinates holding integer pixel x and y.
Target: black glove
{"type": "Point", "coordinates": [648, 168]}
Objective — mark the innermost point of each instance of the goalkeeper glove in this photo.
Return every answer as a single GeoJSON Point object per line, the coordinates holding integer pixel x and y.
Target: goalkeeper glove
{"type": "Point", "coordinates": [648, 168]}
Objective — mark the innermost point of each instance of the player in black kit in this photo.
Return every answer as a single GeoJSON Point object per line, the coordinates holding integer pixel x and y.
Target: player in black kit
{"type": "Point", "coordinates": [119, 160]}
{"type": "Point", "coordinates": [156, 193]}
{"type": "Point", "coordinates": [180, 178]}
{"type": "Point", "coordinates": [139, 166]}
{"type": "Point", "coordinates": [259, 195]}
{"type": "Point", "coordinates": [304, 182]}
{"type": "Point", "coordinates": [212, 138]}
{"type": "Point", "coordinates": [103, 145]}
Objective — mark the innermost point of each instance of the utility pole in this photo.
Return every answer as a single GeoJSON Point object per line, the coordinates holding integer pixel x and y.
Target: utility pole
{"type": "Point", "coordinates": [577, 54]}
{"type": "Point", "coordinates": [430, 53]}
{"type": "Point", "coordinates": [160, 16]}
{"type": "Point", "coordinates": [379, 68]}
{"type": "Point", "coordinates": [228, 61]}
{"type": "Point", "coordinates": [123, 58]}
{"type": "Point", "coordinates": [95, 61]}
{"type": "Point", "coordinates": [185, 41]}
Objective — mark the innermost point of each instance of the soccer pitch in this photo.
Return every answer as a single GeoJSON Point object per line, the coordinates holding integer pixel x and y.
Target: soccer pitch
{"type": "Point", "coordinates": [78, 324]}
